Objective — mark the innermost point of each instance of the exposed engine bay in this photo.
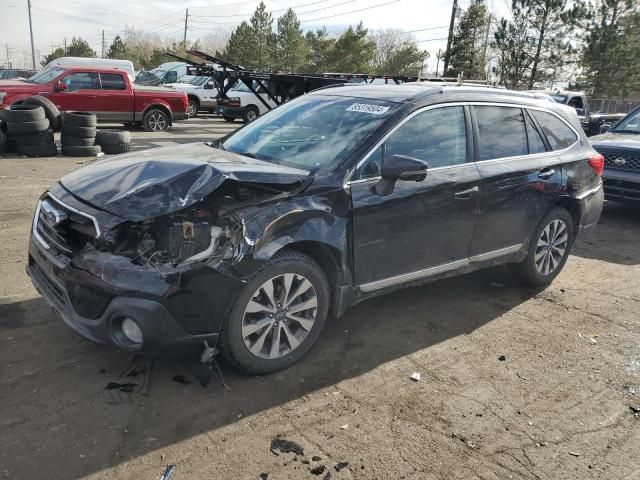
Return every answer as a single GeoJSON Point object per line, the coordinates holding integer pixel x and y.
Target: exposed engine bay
{"type": "Point", "coordinates": [210, 230]}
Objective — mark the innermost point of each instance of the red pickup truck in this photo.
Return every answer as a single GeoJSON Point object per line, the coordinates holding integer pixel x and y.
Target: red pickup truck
{"type": "Point", "coordinates": [107, 92]}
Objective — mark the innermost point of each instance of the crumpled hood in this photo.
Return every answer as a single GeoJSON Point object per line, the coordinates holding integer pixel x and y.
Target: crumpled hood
{"type": "Point", "coordinates": [615, 140]}
{"type": "Point", "coordinates": [143, 185]}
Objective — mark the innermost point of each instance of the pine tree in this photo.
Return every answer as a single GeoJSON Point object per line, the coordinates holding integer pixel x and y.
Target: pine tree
{"type": "Point", "coordinates": [320, 46]}
{"type": "Point", "coordinates": [292, 49]}
{"type": "Point", "coordinates": [77, 48]}
{"type": "Point", "coordinates": [263, 38]}
{"type": "Point", "coordinates": [353, 51]}
{"type": "Point", "coordinates": [239, 48]}
{"type": "Point", "coordinates": [467, 52]}
{"type": "Point", "coordinates": [117, 49]}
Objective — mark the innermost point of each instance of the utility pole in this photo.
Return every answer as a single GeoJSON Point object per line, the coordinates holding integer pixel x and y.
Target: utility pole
{"type": "Point", "coordinates": [33, 50]}
{"type": "Point", "coordinates": [102, 43]}
{"type": "Point", "coordinates": [6, 46]}
{"type": "Point", "coordinates": [438, 62]}
{"type": "Point", "coordinates": [186, 19]}
{"type": "Point", "coordinates": [454, 14]}
{"type": "Point", "coordinates": [65, 45]}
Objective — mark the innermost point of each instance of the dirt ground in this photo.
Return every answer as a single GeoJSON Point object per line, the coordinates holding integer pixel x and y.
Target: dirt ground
{"type": "Point", "coordinates": [516, 383]}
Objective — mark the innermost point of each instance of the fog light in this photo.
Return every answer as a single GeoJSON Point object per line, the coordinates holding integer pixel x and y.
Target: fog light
{"type": "Point", "coordinates": [131, 331]}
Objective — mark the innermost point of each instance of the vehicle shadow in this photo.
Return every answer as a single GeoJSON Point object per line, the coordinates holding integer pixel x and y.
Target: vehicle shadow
{"type": "Point", "coordinates": [615, 238]}
{"type": "Point", "coordinates": [53, 388]}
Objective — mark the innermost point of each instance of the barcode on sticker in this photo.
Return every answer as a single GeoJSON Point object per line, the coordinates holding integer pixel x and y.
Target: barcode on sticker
{"type": "Point", "coordinates": [367, 108]}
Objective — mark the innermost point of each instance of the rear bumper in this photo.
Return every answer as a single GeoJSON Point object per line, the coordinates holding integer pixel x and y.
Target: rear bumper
{"type": "Point", "coordinates": [180, 116]}
{"type": "Point", "coordinates": [591, 203]}
{"type": "Point", "coordinates": [622, 185]}
{"type": "Point", "coordinates": [236, 112]}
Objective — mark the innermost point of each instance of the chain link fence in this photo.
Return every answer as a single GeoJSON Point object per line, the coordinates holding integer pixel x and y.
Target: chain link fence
{"type": "Point", "coordinates": [612, 106]}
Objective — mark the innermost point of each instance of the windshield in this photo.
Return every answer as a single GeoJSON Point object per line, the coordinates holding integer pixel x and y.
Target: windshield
{"type": "Point", "coordinates": [559, 98]}
{"type": "Point", "coordinates": [194, 80]}
{"type": "Point", "coordinates": [46, 75]}
{"type": "Point", "coordinates": [314, 132]}
{"type": "Point", "coordinates": [629, 124]}
{"type": "Point", "coordinates": [240, 87]}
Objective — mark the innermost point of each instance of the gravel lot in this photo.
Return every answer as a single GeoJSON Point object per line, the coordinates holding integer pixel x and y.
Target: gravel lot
{"type": "Point", "coordinates": [516, 383]}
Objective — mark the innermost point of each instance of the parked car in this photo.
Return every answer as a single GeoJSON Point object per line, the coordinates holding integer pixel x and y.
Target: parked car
{"type": "Point", "coordinates": [170, 72]}
{"type": "Point", "coordinates": [90, 62]}
{"type": "Point", "coordinates": [201, 91]}
{"type": "Point", "coordinates": [243, 103]}
{"type": "Point", "coordinates": [332, 198]}
{"type": "Point", "coordinates": [104, 91]}
{"type": "Point", "coordinates": [9, 73]}
{"type": "Point", "coordinates": [620, 147]}
{"type": "Point", "coordinates": [591, 121]}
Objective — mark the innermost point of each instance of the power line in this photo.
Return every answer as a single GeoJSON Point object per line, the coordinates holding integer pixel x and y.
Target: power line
{"type": "Point", "coordinates": [352, 11]}
{"type": "Point", "coordinates": [280, 9]}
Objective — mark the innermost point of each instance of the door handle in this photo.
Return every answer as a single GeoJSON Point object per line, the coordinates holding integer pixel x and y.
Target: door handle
{"type": "Point", "coordinates": [546, 173]}
{"type": "Point", "coordinates": [464, 194]}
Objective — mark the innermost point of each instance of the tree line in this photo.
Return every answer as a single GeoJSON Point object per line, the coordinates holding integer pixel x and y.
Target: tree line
{"type": "Point", "coordinates": [591, 44]}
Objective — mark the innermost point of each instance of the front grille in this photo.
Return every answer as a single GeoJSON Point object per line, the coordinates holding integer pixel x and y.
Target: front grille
{"type": "Point", "coordinates": [624, 161]}
{"type": "Point", "coordinates": [61, 228]}
{"type": "Point", "coordinates": [55, 293]}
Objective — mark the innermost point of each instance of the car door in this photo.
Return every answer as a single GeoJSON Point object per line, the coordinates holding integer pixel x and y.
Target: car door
{"type": "Point", "coordinates": [520, 179]}
{"type": "Point", "coordinates": [115, 99]}
{"type": "Point", "coordinates": [81, 92]}
{"type": "Point", "coordinates": [422, 227]}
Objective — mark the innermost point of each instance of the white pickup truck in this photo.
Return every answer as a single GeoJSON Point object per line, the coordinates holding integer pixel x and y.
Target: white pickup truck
{"type": "Point", "coordinates": [243, 103]}
{"type": "Point", "coordinates": [201, 92]}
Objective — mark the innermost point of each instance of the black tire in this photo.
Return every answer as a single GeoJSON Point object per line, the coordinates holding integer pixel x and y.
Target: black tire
{"type": "Point", "coordinates": [229, 119]}
{"type": "Point", "coordinates": [28, 127]}
{"type": "Point", "coordinates": [81, 151]}
{"type": "Point", "coordinates": [25, 113]}
{"type": "Point", "coordinates": [250, 113]}
{"type": "Point", "coordinates": [232, 345]}
{"type": "Point", "coordinates": [38, 138]}
{"type": "Point", "coordinates": [83, 132]}
{"type": "Point", "coordinates": [115, 149]}
{"type": "Point", "coordinates": [71, 141]}
{"type": "Point", "coordinates": [528, 271]}
{"type": "Point", "coordinates": [4, 140]}
{"type": "Point", "coordinates": [112, 137]}
{"type": "Point", "coordinates": [193, 108]}
{"type": "Point", "coordinates": [156, 120]}
{"type": "Point", "coordinates": [79, 119]}
{"type": "Point", "coordinates": [50, 110]}
{"type": "Point", "coordinates": [47, 150]}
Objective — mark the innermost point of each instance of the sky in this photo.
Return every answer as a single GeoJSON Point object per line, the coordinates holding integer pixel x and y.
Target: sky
{"type": "Point", "coordinates": [53, 21]}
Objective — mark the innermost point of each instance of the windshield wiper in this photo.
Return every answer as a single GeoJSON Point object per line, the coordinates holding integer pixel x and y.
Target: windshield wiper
{"type": "Point", "coordinates": [626, 131]}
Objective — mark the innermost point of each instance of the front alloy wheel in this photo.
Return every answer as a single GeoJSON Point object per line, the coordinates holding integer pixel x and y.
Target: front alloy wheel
{"type": "Point", "coordinates": [279, 316]}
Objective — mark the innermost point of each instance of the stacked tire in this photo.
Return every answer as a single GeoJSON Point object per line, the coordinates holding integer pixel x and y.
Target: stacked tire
{"type": "Point", "coordinates": [114, 142]}
{"type": "Point", "coordinates": [29, 127]}
{"type": "Point", "coordinates": [79, 135]}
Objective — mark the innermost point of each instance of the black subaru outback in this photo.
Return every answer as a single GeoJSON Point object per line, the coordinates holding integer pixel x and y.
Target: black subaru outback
{"type": "Point", "coordinates": [250, 242]}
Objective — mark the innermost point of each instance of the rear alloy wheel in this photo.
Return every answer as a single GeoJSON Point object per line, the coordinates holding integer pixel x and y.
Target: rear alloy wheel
{"type": "Point", "coordinates": [250, 114]}
{"type": "Point", "coordinates": [155, 120]}
{"type": "Point", "coordinates": [192, 109]}
{"type": "Point", "coordinates": [549, 249]}
{"type": "Point", "coordinates": [278, 315]}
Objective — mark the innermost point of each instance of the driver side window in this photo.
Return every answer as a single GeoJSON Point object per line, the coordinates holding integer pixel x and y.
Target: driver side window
{"type": "Point", "coordinates": [437, 136]}
{"type": "Point", "coordinates": [80, 81]}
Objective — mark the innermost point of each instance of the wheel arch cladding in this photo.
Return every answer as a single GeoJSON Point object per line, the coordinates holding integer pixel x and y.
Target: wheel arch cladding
{"type": "Point", "coordinates": [572, 206]}
{"type": "Point", "coordinates": [159, 106]}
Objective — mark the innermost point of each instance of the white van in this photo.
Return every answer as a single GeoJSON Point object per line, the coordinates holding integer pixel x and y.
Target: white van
{"type": "Point", "coordinates": [124, 65]}
{"type": "Point", "coordinates": [170, 72]}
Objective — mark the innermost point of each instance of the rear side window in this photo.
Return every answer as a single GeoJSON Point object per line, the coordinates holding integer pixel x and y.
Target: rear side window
{"type": "Point", "coordinates": [112, 81]}
{"type": "Point", "coordinates": [557, 132]}
{"type": "Point", "coordinates": [501, 131]}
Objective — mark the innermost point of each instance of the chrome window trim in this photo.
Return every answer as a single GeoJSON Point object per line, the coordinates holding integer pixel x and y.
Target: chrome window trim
{"type": "Point", "coordinates": [34, 225]}
{"type": "Point", "coordinates": [445, 267]}
{"type": "Point", "coordinates": [350, 173]}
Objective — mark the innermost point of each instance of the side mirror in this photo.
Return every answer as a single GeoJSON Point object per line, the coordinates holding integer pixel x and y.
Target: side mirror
{"type": "Point", "coordinates": [399, 167]}
{"type": "Point", "coordinates": [209, 85]}
{"type": "Point", "coordinates": [60, 87]}
{"type": "Point", "coordinates": [580, 111]}
{"type": "Point", "coordinates": [605, 127]}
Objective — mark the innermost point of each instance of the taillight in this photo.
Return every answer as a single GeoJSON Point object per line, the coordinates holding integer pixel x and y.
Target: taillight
{"type": "Point", "coordinates": [597, 163]}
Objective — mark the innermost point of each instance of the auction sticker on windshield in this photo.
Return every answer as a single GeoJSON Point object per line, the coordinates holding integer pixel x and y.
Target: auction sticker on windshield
{"type": "Point", "coordinates": [367, 108]}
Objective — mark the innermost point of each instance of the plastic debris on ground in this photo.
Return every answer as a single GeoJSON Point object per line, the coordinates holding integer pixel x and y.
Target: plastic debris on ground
{"type": "Point", "coordinates": [415, 376]}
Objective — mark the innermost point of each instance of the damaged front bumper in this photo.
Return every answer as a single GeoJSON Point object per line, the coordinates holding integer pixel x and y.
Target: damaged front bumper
{"type": "Point", "coordinates": [95, 292]}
